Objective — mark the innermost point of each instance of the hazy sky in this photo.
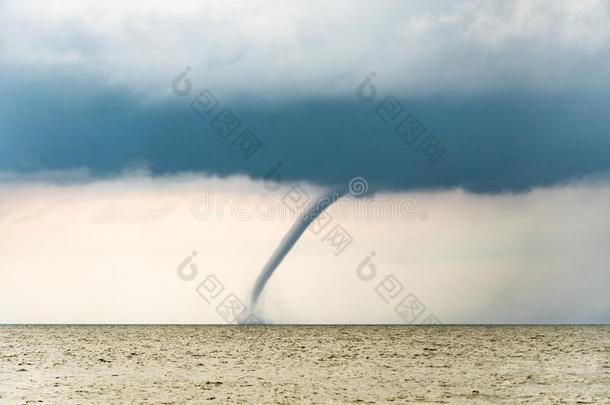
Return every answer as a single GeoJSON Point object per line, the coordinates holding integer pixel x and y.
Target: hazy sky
{"type": "Point", "coordinates": [109, 252]}
{"type": "Point", "coordinates": [103, 154]}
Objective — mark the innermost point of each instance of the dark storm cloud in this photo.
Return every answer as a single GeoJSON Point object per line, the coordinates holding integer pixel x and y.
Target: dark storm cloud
{"type": "Point", "coordinates": [506, 142]}
{"type": "Point", "coordinates": [508, 89]}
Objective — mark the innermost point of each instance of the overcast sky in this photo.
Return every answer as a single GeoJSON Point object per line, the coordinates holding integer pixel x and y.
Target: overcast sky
{"type": "Point", "coordinates": [102, 155]}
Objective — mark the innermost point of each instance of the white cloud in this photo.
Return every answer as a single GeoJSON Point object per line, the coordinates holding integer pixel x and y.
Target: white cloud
{"type": "Point", "coordinates": [107, 251]}
{"type": "Point", "coordinates": [317, 48]}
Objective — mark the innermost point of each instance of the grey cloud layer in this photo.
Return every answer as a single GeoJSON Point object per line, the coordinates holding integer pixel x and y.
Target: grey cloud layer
{"type": "Point", "coordinates": [295, 49]}
{"type": "Point", "coordinates": [516, 91]}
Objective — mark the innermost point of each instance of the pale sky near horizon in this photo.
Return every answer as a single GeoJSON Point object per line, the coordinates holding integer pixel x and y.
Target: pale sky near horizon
{"type": "Point", "coordinates": [108, 252]}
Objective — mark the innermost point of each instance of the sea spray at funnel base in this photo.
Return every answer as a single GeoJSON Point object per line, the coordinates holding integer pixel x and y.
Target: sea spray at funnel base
{"type": "Point", "coordinates": [291, 238]}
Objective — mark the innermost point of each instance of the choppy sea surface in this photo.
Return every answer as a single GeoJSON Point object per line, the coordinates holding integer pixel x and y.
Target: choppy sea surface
{"type": "Point", "coordinates": [304, 364]}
